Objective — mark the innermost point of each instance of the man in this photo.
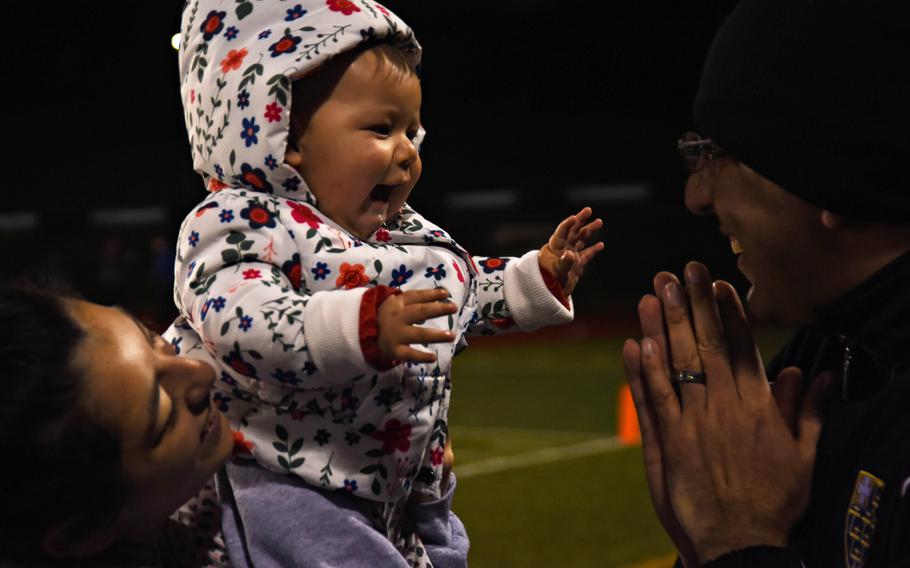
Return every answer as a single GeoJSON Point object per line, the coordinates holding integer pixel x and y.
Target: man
{"type": "Point", "coordinates": [805, 166]}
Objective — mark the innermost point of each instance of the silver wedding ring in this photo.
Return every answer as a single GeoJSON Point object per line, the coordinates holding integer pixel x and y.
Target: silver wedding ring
{"type": "Point", "coordinates": [687, 376]}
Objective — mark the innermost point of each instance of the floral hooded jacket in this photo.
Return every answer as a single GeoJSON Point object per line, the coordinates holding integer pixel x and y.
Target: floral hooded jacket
{"type": "Point", "coordinates": [270, 289]}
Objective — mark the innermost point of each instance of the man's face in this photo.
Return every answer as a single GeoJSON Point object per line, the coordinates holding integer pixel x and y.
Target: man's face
{"type": "Point", "coordinates": [781, 238]}
{"type": "Point", "coordinates": [357, 152]}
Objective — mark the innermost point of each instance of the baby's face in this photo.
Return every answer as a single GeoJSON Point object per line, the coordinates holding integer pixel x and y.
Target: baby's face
{"type": "Point", "coordinates": [357, 152]}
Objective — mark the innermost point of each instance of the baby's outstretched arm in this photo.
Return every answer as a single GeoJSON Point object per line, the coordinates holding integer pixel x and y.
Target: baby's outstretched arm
{"type": "Point", "coordinates": [567, 252]}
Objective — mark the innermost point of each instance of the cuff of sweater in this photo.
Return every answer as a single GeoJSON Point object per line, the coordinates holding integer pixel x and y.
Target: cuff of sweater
{"type": "Point", "coordinates": [369, 326]}
{"type": "Point", "coordinates": [531, 303]}
{"type": "Point", "coordinates": [331, 322]}
{"type": "Point", "coordinates": [432, 517]}
{"type": "Point", "coordinates": [757, 557]}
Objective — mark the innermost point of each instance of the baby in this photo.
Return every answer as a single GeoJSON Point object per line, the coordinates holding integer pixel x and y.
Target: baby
{"type": "Point", "coordinates": [331, 308]}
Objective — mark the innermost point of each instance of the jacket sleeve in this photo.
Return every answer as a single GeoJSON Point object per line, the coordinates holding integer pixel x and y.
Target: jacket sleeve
{"type": "Point", "coordinates": [235, 285]}
{"type": "Point", "coordinates": [513, 295]}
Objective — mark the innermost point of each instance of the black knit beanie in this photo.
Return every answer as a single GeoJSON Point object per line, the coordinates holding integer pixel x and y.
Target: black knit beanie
{"type": "Point", "coordinates": [815, 96]}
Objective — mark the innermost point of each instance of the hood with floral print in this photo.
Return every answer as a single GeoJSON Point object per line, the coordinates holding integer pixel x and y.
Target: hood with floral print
{"type": "Point", "coordinates": [237, 61]}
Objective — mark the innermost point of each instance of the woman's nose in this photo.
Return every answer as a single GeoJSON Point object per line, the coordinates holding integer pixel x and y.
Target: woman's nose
{"type": "Point", "coordinates": [189, 379]}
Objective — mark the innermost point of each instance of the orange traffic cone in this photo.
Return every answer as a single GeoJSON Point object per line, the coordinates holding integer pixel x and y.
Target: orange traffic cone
{"type": "Point", "coordinates": [627, 426]}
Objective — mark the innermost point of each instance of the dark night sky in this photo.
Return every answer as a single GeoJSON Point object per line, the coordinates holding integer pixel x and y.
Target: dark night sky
{"type": "Point", "coordinates": [529, 95]}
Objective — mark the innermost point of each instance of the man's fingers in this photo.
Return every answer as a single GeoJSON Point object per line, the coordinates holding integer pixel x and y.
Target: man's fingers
{"type": "Point", "coordinates": [652, 322]}
{"type": "Point", "coordinates": [657, 382]}
{"type": "Point", "coordinates": [424, 296]}
{"type": "Point", "coordinates": [631, 355]}
{"type": "Point", "coordinates": [681, 343]}
{"type": "Point", "coordinates": [745, 359]}
{"type": "Point", "coordinates": [810, 415]}
{"type": "Point", "coordinates": [786, 389]}
{"type": "Point", "coordinates": [709, 334]}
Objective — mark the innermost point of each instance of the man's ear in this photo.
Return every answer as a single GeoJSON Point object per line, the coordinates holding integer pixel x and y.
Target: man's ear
{"type": "Point", "coordinates": [831, 220]}
{"type": "Point", "coordinates": [72, 539]}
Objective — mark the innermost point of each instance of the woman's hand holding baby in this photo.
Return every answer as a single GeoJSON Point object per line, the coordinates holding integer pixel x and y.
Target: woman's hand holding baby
{"type": "Point", "coordinates": [398, 316]}
{"type": "Point", "coordinates": [567, 252]}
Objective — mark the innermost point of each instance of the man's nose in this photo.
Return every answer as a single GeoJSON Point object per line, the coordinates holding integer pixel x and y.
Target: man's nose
{"type": "Point", "coordinates": [698, 192]}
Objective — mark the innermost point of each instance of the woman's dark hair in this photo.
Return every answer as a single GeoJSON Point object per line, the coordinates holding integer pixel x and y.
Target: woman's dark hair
{"type": "Point", "coordinates": [59, 463]}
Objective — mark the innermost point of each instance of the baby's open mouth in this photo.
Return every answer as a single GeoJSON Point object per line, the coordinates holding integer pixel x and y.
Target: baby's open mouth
{"type": "Point", "coordinates": [381, 192]}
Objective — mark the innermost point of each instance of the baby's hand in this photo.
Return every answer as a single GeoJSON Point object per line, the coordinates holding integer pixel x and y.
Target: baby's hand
{"type": "Point", "coordinates": [397, 316]}
{"type": "Point", "coordinates": [567, 252]}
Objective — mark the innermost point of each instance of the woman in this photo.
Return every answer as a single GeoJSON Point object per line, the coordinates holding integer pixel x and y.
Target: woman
{"type": "Point", "coordinates": [106, 433]}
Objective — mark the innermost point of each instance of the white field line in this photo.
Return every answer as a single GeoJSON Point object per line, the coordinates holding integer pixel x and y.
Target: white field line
{"type": "Point", "coordinates": [538, 457]}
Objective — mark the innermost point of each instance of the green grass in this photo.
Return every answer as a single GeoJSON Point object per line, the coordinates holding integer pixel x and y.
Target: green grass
{"type": "Point", "coordinates": [591, 511]}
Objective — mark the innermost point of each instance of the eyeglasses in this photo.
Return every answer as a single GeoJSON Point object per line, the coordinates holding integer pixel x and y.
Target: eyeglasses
{"type": "Point", "coordinates": [692, 148]}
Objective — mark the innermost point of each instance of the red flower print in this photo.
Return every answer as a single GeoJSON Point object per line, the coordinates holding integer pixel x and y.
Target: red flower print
{"type": "Point", "coordinates": [352, 276]}
{"type": "Point", "coordinates": [437, 455]}
{"type": "Point", "coordinates": [273, 112]}
{"type": "Point", "coordinates": [382, 9]}
{"type": "Point", "coordinates": [303, 214]}
{"type": "Point", "coordinates": [346, 7]}
{"type": "Point", "coordinates": [251, 274]}
{"type": "Point", "coordinates": [242, 446]}
{"type": "Point", "coordinates": [492, 264]}
{"type": "Point", "coordinates": [395, 436]}
{"type": "Point", "coordinates": [503, 323]}
{"type": "Point", "coordinates": [291, 268]}
{"type": "Point", "coordinates": [192, 96]}
{"type": "Point", "coordinates": [233, 60]}
{"type": "Point", "coordinates": [216, 184]}
{"type": "Point", "coordinates": [236, 362]}
{"type": "Point", "coordinates": [458, 272]}
{"type": "Point", "coordinates": [382, 236]}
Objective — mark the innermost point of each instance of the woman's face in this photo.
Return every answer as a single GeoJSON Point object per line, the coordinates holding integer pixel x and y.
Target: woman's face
{"type": "Point", "coordinates": [172, 437]}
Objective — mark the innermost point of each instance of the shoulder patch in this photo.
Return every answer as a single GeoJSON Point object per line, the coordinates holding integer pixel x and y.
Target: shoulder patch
{"type": "Point", "coordinates": [861, 518]}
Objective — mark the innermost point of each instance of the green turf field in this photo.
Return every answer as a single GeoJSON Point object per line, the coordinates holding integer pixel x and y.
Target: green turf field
{"type": "Point", "coordinates": [542, 481]}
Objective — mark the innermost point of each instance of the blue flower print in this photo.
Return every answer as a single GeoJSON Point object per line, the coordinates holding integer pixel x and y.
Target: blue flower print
{"type": "Point", "coordinates": [350, 485]}
{"type": "Point", "coordinates": [228, 380]}
{"type": "Point", "coordinates": [212, 25]}
{"type": "Point", "coordinates": [438, 272]}
{"type": "Point", "coordinates": [194, 238]}
{"type": "Point", "coordinates": [291, 184]}
{"type": "Point", "coordinates": [243, 99]}
{"type": "Point", "coordinates": [294, 13]}
{"type": "Point", "coordinates": [287, 44]}
{"type": "Point", "coordinates": [226, 215]}
{"type": "Point", "coordinates": [221, 401]}
{"type": "Point", "coordinates": [258, 215]}
{"type": "Point", "coordinates": [285, 377]}
{"type": "Point", "coordinates": [264, 34]}
{"type": "Point", "coordinates": [400, 276]}
{"type": "Point", "coordinates": [189, 269]}
{"type": "Point", "coordinates": [352, 438]}
{"type": "Point", "coordinates": [321, 270]}
{"type": "Point", "coordinates": [433, 235]}
{"type": "Point", "coordinates": [322, 437]}
{"type": "Point", "coordinates": [246, 322]}
{"type": "Point", "coordinates": [250, 128]}
{"type": "Point", "coordinates": [219, 171]}
{"type": "Point", "coordinates": [205, 310]}
{"type": "Point", "coordinates": [175, 343]}
{"type": "Point", "coordinates": [218, 303]}
{"type": "Point", "coordinates": [254, 178]}
{"type": "Point", "coordinates": [492, 264]}
{"type": "Point", "coordinates": [231, 33]}
{"type": "Point", "coordinates": [270, 162]}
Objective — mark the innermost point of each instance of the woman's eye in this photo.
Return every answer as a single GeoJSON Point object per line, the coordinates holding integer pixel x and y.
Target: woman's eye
{"type": "Point", "coordinates": [383, 129]}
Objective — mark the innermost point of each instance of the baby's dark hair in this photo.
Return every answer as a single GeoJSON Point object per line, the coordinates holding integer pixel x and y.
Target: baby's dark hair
{"type": "Point", "coordinates": [311, 90]}
{"type": "Point", "coordinates": [60, 463]}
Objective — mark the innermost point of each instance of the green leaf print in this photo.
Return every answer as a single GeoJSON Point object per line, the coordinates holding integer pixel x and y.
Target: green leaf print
{"type": "Point", "coordinates": [375, 487]}
{"type": "Point", "coordinates": [281, 432]}
{"type": "Point", "coordinates": [230, 256]}
{"type": "Point", "coordinates": [280, 446]}
{"type": "Point", "coordinates": [369, 469]}
{"type": "Point", "coordinates": [244, 9]}
{"type": "Point", "coordinates": [235, 237]}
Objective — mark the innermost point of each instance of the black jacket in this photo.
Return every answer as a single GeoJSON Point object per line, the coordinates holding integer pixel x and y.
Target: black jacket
{"type": "Point", "coordinates": [859, 511]}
